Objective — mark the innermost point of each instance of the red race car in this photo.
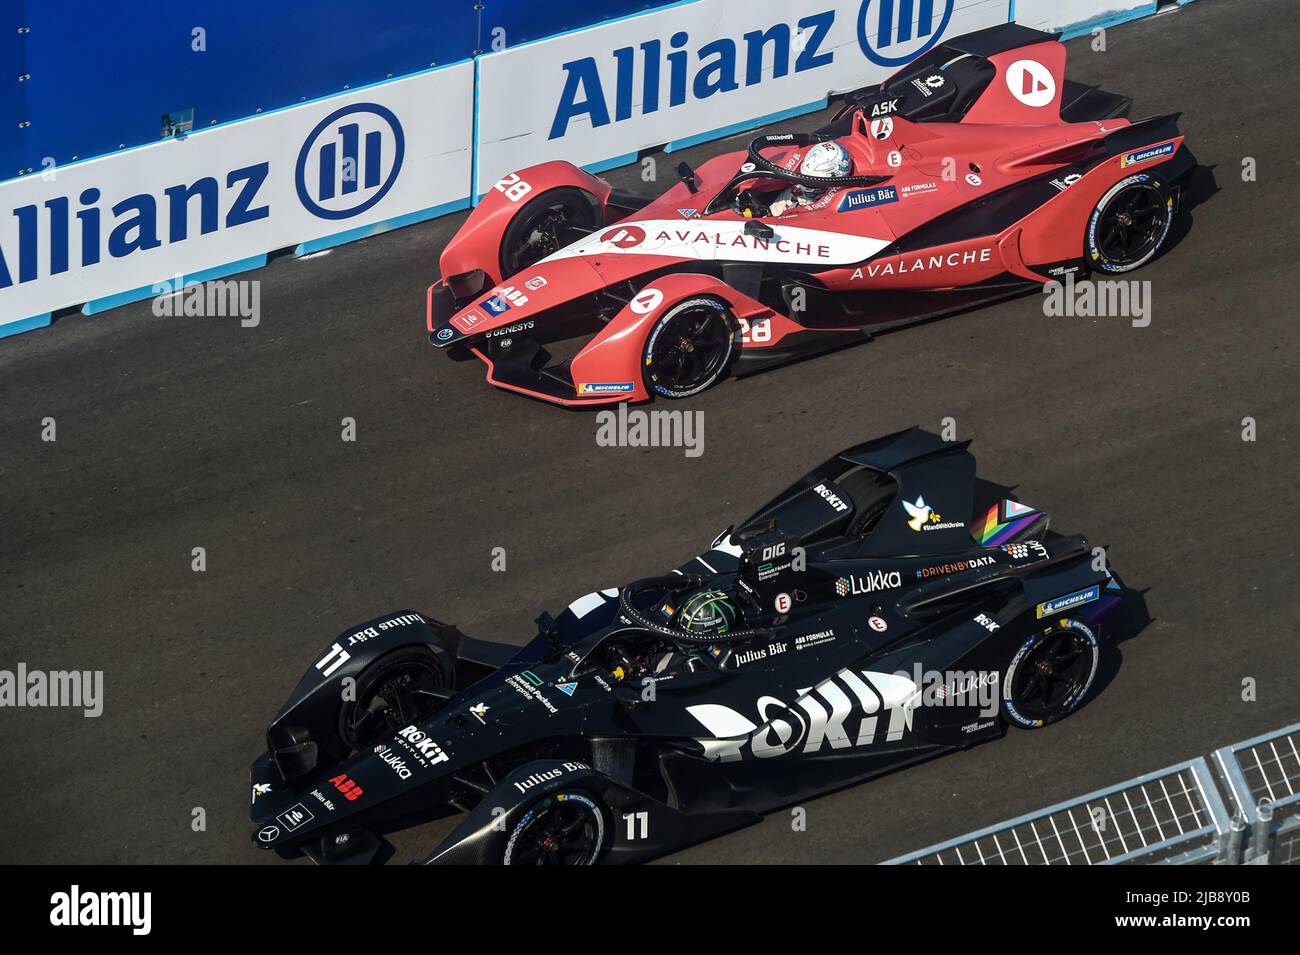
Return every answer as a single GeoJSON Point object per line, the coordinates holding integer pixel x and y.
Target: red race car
{"type": "Point", "coordinates": [976, 172]}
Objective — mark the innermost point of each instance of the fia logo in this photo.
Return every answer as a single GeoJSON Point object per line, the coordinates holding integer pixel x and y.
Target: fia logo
{"type": "Point", "coordinates": [350, 161]}
{"type": "Point", "coordinates": [905, 29]}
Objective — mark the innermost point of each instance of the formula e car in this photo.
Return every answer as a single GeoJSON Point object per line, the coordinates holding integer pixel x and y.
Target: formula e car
{"type": "Point", "coordinates": [885, 608]}
{"type": "Point", "coordinates": [979, 172]}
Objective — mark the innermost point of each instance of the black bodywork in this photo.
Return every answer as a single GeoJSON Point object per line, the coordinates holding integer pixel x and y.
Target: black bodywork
{"type": "Point", "coordinates": [846, 603]}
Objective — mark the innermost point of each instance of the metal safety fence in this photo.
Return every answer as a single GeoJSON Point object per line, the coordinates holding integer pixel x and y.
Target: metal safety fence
{"type": "Point", "coordinates": [1242, 806]}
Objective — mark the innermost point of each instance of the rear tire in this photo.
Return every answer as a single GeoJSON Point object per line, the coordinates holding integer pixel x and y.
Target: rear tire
{"type": "Point", "coordinates": [1128, 225]}
{"type": "Point", "coordinates": [544, 226]}
{"type": "Point", "coordinates": [564, 828]}
{"type": "Point", "coordinates": [1050, 675]}
{"type": "Point", "coordinates": [689, 348]}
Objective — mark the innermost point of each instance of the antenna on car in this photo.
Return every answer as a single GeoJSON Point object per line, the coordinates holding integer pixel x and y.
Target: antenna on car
{"type": "Point", "coordinates": [548, 628]}
{"type": "Point", "coordinates": [687, 175]}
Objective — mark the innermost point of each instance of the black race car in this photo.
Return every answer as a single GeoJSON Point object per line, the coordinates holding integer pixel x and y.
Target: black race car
{"type": "Point", "coordinates": [886, 608]}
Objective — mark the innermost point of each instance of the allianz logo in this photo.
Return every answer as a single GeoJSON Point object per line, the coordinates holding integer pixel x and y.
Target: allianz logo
{"type": "Point", "coordinates": [697, 68]}
{"type": "Point", "coordinates": [346, 165]}
{"type": "Point", "coordinates": [66, 232]}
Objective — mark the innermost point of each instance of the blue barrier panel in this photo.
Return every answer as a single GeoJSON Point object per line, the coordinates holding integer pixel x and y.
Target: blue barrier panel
{"type": "Point", "coordinates": [524, 20]}
{"type": "Point", "coordinates": [103, 75]}
{"type": "Point", "coordinates": [13, 109]}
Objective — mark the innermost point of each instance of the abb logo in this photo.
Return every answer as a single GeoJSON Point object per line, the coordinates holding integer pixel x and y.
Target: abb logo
{"type": "Point", "coordinates": [348, 787]}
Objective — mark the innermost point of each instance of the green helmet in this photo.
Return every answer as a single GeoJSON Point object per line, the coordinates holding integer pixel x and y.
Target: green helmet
{"type": "Point", "coordinates": [706, 611]}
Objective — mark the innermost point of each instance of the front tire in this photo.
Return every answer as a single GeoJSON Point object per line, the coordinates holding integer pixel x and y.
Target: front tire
{"type": "Point", "coordinates": [689, 348]}
{"type": "Point", "coordinates": [564, 828]}
{"type": "Point", "coordinates": [1050, 675]}
{"type": "Point", "coordinates": [1128, 225]}
{"type": "Point", "coordinates": [544, 226]}
{"type": "Point", "coordinates": [396, 690]}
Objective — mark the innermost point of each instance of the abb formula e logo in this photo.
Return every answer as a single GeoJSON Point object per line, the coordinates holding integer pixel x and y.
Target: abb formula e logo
{"type": "Point", "coordinates": [853, 708]}
{"type": "Point", "coordinates": [350, 161]}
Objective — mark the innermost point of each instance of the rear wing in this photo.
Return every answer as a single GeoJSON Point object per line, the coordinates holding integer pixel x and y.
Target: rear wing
{"type": "Point", "coordinates": [931, 475]}
{"type": "Point", "coordinates": [1009, 74]}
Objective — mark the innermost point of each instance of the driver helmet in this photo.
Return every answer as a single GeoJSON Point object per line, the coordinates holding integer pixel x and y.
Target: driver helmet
{"type": "Point", "coordinates": [828, 160]}
{"type": "Point", "coordinates": [705, 611]}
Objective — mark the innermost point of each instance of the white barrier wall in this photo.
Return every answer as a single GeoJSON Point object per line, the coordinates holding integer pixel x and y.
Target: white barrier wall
{"type": "Point", "coordinates": [1072, 18]}
{"type": "Point", "coordinates": [106, 230]}
{"type": "Point", "coordinates": [694, 71]}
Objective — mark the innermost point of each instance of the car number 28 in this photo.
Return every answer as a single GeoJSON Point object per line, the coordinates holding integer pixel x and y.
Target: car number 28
{"type": "Point", "coordinates": [755, 332]}
{"type": "Point", "coordinates": [513, 187]}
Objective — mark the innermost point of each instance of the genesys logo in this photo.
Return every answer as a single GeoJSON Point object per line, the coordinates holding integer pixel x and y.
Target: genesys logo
{"type": "Point", "coordinates": [346, 165]}
{"type": "Point", "coordinates": [663, 72]}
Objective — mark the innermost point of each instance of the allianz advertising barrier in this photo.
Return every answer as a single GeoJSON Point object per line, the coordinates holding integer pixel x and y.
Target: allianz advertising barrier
{"type": "Point", "coordinates": [119, 227]}
{"type": "Point", "coordinates": [694, 71]}
{"type": "Point", "coordinates": [106, 231]}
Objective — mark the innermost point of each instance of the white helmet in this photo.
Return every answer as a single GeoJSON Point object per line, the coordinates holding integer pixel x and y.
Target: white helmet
{"type": "Point", "coordinates": [826, 161]}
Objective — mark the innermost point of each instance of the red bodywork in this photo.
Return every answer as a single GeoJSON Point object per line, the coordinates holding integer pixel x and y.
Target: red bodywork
{"type": "Point", "coordinates": [669, 249]}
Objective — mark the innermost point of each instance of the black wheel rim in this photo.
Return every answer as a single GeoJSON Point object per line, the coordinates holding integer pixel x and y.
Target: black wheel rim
{"type": "Point", "coordinates": [1131, 224]}
{"type": "Point", "coordinates": [544, 232]}
{"type": "Point", "coordinates": [560, 833]}
{"type": "Point", "coordinates": [397, 697]}
{"type": "Point", "coordinates": [1050, 675]}
{"type": "Point", "coordinates": [690, 350]}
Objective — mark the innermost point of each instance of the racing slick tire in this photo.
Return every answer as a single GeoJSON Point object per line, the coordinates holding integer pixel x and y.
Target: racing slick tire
{"type": "Point", "coordinates": [689, 348]}
{"type": "Point", "coordinates": [394, 691]}
{"type": "Point", "coordinates": [1129, 224]}
{"type": "Point", "coordinates": [562, 828]}
{"type": "Point", "coordinates": [1050, 674]}
{"type": "Point", "coordinates": [544, 225]}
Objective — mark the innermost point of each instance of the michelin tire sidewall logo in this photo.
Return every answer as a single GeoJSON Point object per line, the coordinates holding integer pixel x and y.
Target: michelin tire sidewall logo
{"type": "Point", "coordinates": [395, 139]}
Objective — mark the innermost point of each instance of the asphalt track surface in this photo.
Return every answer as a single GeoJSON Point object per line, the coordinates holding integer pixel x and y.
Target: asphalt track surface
{"type": "Point", "coordinates": [176, 433]}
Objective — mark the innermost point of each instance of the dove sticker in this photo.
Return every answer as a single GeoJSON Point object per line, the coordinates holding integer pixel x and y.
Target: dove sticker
{"type": "Point", "coordinates": [922, 517]}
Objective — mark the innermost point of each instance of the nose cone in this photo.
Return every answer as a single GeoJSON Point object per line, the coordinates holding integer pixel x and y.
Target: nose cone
{"type": "Point", "coordinates": [514, 306]}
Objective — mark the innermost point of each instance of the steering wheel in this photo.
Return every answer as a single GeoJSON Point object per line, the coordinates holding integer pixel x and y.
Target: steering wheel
{"type": "Point", "coordinates": [747, 202]}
